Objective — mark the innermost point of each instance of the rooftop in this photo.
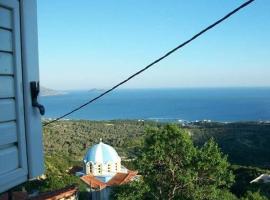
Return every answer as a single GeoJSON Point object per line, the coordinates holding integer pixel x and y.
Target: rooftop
{"type": "Point", "coordinates": [117, 179]}
{"type": "Point", "coordinates": [61, 194]}
{"type": "Point", "coordinates": [64, 193]}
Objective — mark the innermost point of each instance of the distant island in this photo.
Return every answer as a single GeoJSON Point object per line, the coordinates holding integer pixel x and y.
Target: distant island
{"type": "Point", "coordinates": [50, 92]}
{"type": "Point", "coordinates": [44, 91]}
{"type": "Point", "coordinates": [96, 90]}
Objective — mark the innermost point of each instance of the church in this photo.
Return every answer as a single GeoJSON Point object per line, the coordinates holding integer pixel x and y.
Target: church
{"type": "Point", "coordinates": [102, 169]}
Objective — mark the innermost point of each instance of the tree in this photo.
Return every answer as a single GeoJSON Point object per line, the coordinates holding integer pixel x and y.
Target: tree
{"type": "Point", "coordinates": [254, 196]}
{"type": "Point", "coordinates": [173, 168]}
{"type": "Point", "coordinates": [212, 170]}
{"type": "Point", "coordinates": [136, 190]}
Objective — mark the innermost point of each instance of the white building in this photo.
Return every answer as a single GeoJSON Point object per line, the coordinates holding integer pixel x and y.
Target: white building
{"type": "Point", "coordinates": [103, 162]}
{"type": "Point", "coordinates": [102, 169]}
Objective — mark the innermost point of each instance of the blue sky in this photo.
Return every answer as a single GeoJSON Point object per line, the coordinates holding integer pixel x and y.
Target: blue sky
{"type": "Point", "coordinates": [87, 44]}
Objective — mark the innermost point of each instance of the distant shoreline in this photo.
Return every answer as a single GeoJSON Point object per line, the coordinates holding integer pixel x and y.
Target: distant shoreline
{"type": "Point", "coordinates": [183, 122]}
{"type": "Point", "coordinates": [177, 106]}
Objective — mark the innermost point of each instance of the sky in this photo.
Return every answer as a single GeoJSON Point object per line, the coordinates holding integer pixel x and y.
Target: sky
{"type": "Point", "coordinates": [87, 44]}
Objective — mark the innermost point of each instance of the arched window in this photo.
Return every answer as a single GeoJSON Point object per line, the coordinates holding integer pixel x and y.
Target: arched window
{"type": "Point", "coordinates": [99, 168]}
{"type": "Point", "coordinates": [116, 167]}
{"type": "Point", "coordinates": [91, 167]}
{"type": "Point", "coordinates": [109, 167]}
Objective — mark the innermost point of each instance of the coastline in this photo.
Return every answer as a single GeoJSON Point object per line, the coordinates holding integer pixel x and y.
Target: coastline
{"type": "Point", "coordinates": [175, 121]}
{"type": "Point", "coordinates": [168, 105]}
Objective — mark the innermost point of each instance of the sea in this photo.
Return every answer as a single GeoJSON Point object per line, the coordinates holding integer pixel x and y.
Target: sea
{"type": "Point", "coordinates": [165, 105]}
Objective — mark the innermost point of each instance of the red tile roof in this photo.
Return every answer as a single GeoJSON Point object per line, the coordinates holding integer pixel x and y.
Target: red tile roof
{"type": "Point", "coordinates": [64, 193]}
{"type": "Point", "coordinates": [122, 178]}
{"type": "Point", "coordinates": [57, 194]}
{"type": "Point", "coordinates": [117, 179]}
{"type": "Point", "coordinates": [93, 182]}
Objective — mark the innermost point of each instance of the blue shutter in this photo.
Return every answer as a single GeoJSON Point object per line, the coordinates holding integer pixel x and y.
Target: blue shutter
{"type": "Point", "coordinates": [13, 159]}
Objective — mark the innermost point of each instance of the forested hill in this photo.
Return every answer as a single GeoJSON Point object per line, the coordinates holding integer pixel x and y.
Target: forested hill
{"type": "Point", "coordinates": [245, 143]}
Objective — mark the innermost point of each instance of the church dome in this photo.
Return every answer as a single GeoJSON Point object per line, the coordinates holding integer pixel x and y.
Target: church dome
{"type": "Point", "coordinates": [101, 153]}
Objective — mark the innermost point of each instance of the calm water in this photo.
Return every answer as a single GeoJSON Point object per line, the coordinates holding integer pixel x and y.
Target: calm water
{"type": "Point", "coordinates": [166, 104]}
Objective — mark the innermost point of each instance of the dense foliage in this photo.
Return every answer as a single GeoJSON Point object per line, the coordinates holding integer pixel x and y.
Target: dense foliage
{"type": "Point", "coordinates": [66, 142]}
{"type": "Point", "coordinates": [73, 138]}
{"type": "Point", "coordinates": [244, 143]}
{"type": "Point", "coordinates": [173, 168]}
{"type": "Point", "coordinates": [243, 176]}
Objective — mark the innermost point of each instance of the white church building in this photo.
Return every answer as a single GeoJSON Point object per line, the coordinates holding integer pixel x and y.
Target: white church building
{"type": "Point", "coordinates": [102, 168]}
{"type": "Point", "coordinates": [103, 162]}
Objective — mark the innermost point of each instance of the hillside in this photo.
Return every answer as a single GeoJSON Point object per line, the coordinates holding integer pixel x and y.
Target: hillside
{"type": "Point", "coordinates": [66, 142]}
{"type": "Point", "coordinates": [245, 143]}
{"type": "Point", "coordinates": [72, 138]}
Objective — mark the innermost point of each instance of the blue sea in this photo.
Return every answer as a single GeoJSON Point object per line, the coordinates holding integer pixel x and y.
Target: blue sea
{"type": "Point", "coordinates": [216, 104]}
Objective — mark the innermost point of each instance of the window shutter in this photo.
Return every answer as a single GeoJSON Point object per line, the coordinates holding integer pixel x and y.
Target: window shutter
{"type": "Point", "coordinates": [16, 112]}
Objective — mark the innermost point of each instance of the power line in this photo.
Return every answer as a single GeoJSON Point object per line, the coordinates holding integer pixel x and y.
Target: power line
{"type": "Point", "coordinates": [154, 62]}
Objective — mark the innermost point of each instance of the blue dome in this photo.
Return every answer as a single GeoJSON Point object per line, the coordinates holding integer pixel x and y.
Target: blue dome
{"type": "Point", "coordinates": [101, 153]}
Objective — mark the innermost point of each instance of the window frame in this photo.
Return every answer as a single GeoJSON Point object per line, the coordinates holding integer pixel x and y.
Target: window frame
{"type": "Point", "coordinates": [30, 71]}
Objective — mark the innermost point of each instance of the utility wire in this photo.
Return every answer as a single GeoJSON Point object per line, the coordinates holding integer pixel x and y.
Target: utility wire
{"type": "Point", "coordinates": [154, 62]}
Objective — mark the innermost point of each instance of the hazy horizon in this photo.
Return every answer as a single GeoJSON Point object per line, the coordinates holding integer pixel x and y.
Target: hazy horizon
{"type": "Point", "coordinates": [162, 88]}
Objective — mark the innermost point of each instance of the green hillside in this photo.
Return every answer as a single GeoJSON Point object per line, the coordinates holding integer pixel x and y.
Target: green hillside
{"type": "Point", "coordinates": [245, 143]}
{"type": "Point", "coordinates": [66, 142]}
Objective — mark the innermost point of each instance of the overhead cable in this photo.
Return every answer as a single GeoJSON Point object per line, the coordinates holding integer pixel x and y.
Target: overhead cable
{"type": "Point", "coordinates": [153, 63]}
